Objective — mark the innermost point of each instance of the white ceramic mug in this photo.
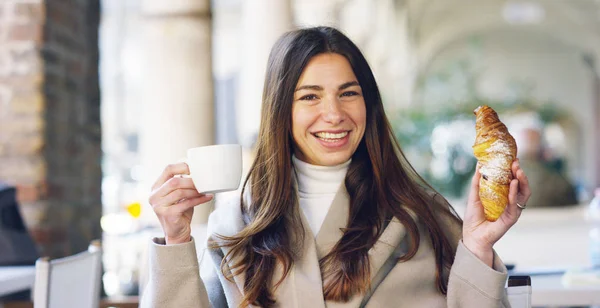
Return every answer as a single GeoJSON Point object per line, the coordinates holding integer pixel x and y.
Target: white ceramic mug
{"type": "Point", "coordinates": [215, 168]}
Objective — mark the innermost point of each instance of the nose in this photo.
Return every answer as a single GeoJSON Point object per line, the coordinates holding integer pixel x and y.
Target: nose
{"type": "Point", "coordinates": [332, 111]}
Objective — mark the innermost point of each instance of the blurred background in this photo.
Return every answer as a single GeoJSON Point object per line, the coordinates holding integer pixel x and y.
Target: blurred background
{"type": "Point", "coordinates": [98, 96]}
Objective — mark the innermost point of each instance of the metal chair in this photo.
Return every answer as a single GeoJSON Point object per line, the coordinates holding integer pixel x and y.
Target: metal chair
{"type": "Point", "coordinates": [72, 281]}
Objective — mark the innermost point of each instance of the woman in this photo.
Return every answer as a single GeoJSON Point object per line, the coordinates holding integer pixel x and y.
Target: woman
{"type": "Point", "coordinates": [329, 199]}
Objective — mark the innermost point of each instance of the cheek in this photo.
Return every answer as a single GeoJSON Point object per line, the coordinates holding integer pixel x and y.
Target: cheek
{"type": "Point", "coordinates": [301, 120]}
{"type": "Point", "coordinates": [300, 123]}
{"type": "Point", "coordinates": [363, 118]}
{"type": "Point", "coordinates": [359, 116]}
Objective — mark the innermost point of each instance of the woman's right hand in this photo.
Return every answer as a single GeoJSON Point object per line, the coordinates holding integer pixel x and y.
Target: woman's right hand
{"type": "Point", "coordinates": [173, 199]}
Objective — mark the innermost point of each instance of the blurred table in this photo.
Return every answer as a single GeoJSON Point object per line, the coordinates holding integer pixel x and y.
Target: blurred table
{"type": "Point", "coordinates": [548, 291]}
{"type": "Point", "coordinates": [547, 238]}
{"type": "Point", "coordinates": [543, 244]}
{"type": "Point", "coordinates": [16, 278]}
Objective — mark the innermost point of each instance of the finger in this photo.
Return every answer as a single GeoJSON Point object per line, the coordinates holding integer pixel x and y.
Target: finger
{"type": "Point", "coordinates": [515, 166]}
{"type": "Point", "coordinates": [524, 187]}
{"type": "Point", "coordinates": [168, 187]}
{"type": "Point", "coordinates": [474, 207]}
{"type": "Point", "coordinates": [512, 212]}
{"type": "Point", "coordinates": [173, 184]}
{"type": "Point", "coordinates": [170, 171]}
{"type": "Point", "coordinates": [178, 195]}
{"type": "Point", "coordinates": [474, 191]}
{"type": "Point", "coordinates": [187, 204]}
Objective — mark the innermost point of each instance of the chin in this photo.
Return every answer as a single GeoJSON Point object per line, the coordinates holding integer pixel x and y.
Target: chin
{"type": "Point", "coordinates": [332, 159]}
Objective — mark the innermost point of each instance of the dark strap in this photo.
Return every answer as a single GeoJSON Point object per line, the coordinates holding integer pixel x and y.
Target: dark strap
{"type": "Point", "coordinates": [387, 267]}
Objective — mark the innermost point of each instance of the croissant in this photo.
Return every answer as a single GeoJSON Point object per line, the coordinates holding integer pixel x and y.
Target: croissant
{"type": "Point", "coordinates": [495, 149]}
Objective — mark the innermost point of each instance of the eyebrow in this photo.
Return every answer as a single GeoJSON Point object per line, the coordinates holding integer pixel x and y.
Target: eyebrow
{"type": "Point", "coordinates": [319, 88]}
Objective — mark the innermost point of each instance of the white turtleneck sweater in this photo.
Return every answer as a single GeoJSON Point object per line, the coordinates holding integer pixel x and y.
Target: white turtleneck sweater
{"type": "Point", "coordinates": [317, 186]}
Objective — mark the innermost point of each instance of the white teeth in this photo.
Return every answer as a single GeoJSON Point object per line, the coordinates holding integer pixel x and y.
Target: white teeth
{"type": "Point", "coordinates": [326, 135]}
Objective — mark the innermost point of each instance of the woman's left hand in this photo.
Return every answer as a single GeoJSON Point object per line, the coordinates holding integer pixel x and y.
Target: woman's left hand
{"type": "Point", "coordinates": [480, 235]}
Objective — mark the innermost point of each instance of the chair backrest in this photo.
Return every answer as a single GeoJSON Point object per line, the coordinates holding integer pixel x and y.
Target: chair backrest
{"type": "Point", "coordinates": [73, 281]}
{"type": "Point", "coordinates": [16, 244]}
{"type": "Point", "coordinates": [519, 291]}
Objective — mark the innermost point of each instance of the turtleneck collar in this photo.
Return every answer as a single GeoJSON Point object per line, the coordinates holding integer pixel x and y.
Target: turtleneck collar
{"type": "Point", "coordinates": [318, 180]}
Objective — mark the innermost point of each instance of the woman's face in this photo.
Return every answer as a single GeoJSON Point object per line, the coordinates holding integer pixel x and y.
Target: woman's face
{"type": "Point", "coordinates": [328, 112]}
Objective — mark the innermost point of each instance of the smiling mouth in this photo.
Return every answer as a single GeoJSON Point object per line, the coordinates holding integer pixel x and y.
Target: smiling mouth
{"type": "Point", "coordinates": [331, 137]}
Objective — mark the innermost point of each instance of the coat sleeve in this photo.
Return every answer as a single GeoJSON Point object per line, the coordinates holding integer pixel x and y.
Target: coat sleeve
{"type": "Point", "coordinates": [174, 277]}
{"type": "Point", "coordinates": [471, 283]}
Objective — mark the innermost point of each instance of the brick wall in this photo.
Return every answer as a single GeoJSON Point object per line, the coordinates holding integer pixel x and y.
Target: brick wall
{"type": "Point", "coordinates": [49, 118]}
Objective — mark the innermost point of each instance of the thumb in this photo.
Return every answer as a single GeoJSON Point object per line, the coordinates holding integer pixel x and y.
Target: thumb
{"type": "Point", "coordinates": [474, 190]}
{"type": "Point", "coordinates": [474, 206]}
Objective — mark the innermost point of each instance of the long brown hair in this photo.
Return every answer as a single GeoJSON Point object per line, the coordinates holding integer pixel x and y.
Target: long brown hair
{"type": "Point", "coordinates": [380, 182]}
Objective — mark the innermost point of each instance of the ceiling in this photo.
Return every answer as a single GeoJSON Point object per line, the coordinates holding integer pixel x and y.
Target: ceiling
{"type": "Point", "coordinates": [434, 24]}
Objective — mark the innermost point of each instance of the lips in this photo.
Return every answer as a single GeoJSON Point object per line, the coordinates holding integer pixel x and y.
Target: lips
{"type": "Point", "coordinates": [331, 136]}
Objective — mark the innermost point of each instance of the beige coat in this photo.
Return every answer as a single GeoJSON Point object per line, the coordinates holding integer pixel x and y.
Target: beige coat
{"type": "Point", "coordinates": [175, 280]}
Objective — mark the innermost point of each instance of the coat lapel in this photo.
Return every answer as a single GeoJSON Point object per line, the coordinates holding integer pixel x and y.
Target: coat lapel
{"type": "Point", "coordinates": [303, 287]}
{"type": "Point", "coordinates": [335, 220]}
{"type": "Point", "coordinates": [304, 282]}
{"type": "Point", "coordinates": [330, 233]}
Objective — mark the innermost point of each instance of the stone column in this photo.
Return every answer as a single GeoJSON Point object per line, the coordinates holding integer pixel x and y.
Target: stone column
{"type": "Point", "coordinates": [310, 13]}
{"type": "Point", "coordinates": [380, 29]}
{"type": "Point", "coordinates": [50, 119]}
{"type": "Point", "coordinates": [595, 72]}
{"type": "Point", "coordinates": [403, 67]}
{"type": "Point", "coordinates": [178, 111]}
{"type": "Point", "coordinates": [22, 105]}
{"type": "Point", "coordinates": [263, 21]}
{"type": "Point", "coordinates": [22, 102]}
{"type": "Point", "coordinates": [597, 121]}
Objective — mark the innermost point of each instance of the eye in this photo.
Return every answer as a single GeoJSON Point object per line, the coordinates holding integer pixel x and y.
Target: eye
{"type": "Point", "coordinates": [349, 93]}
{"type": "Point", "coordinates": [308, 97]}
